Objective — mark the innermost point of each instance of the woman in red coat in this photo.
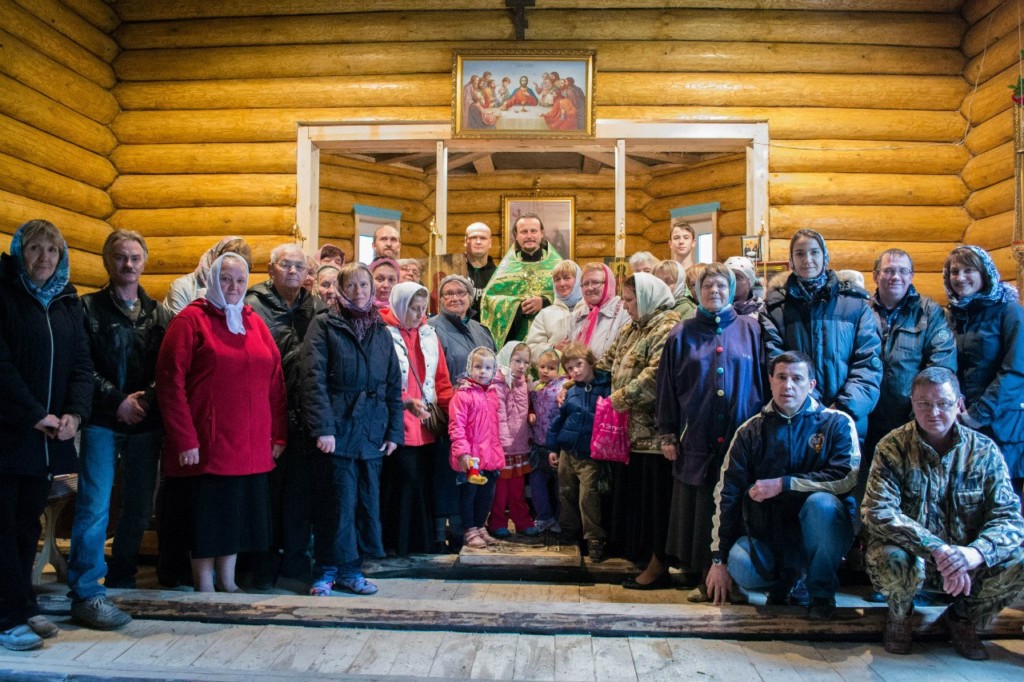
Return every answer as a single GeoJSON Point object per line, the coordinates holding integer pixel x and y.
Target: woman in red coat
{"type": "Point", "coordinates": [222, 396]}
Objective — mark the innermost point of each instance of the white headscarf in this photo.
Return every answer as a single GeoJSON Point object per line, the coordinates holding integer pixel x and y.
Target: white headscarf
{"type": "Point", "coordinates": [652, 294]}
{"type": "Point", "coordinates": [402, 295]}
{"type": "Point", "coordinates": [215, 296]}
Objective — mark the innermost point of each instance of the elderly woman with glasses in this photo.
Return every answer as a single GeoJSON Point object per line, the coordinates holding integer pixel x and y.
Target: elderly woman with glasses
{"type": "Point", "coordinates": [597, 319]}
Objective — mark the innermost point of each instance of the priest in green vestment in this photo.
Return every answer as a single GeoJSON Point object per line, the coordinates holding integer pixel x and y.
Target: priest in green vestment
{"type": "Point", "coordinates": [521, 286]}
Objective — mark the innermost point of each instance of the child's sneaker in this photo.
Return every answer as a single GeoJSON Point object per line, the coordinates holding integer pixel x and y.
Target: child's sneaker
{"type": "Point", "coordinates": [357, 584]}
{"type": "Point", "coordinates": [501, 533]}
{"type": "Point", "coordinates": [321, 588]}
{"type": "Point", "coordinates": [473, 539]}
{"type": "Point", "coordinates": [487, 537]}
{"type": "Point", "coordinates": [531, 532]}
{"type": "Point", "coordinates": [545, 524]}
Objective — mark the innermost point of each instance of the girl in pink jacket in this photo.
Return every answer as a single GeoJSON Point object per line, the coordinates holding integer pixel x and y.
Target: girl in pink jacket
{"type": "Point", "coordinates": [514, 396]}
{"type": "Point", "coordinates": [475, 431]}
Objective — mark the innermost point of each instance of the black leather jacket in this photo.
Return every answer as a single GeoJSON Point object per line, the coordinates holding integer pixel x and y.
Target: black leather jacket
{"type": "Point", "coordinates": [124, 356]}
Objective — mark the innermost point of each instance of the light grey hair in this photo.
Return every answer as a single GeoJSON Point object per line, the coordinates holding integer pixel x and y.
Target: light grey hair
{"type": "Point", "coordinates": [641, 257]}
{"type": "Point", "coordinates": [279, 251]}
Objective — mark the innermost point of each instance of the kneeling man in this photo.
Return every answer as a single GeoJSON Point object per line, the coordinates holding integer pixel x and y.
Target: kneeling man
{"type": "Point", "coordinates": [784, 507]}
{"type": "Point", "coordinates": [940, 513]}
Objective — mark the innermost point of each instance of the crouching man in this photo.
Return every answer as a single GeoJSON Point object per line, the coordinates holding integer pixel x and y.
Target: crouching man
{"type": "Point", "coordinates": [783, 502]}
{"type": "Point", "coordinates": [940, 513]}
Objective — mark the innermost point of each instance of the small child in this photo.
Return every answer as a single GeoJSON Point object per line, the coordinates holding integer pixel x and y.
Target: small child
{"type": "Point", "coordinates": [514, 397]}
{"type": "Point", "coordinates": [543, 408]}
{"type": "Point", "coordinates": [570, 432]}
{"type": "Point", "coordinates": [475, 434]}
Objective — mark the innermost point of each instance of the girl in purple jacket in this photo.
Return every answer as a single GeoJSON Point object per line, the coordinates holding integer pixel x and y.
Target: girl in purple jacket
{"type": "Point", "coordinates": [514, 396]}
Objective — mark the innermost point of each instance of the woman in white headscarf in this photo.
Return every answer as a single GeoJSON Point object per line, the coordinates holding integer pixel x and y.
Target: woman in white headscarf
{"type": "Point", "coordinates": [189, 287]}
{"type": "Point", "coordinates": [550, 329]}
{"type": "Point", "coordinates": [222, 396]}
{"type": "Point", "coordinates": [406, 501]}
{"type": "Point", "coordinates": [642, 489]}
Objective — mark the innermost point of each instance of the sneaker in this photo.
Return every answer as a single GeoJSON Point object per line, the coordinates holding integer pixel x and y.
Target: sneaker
{"type": "Point", "coordinates": [43, 626]}
{"type": "Point", "coordinates": [473, 539]}
{"type": "Point", "coordinates": [20, 638]}
{"type": "Point", "coordinates": [799, 596]}
{"type": "Point", "coordinates": [357, 585]}
{"type": "Point", "coordinates": [822, 608]}
{"type": "Point", "coordinates": [595, 549]}
{"type": "Point", "coordinates": [963, 636]}
{"type": "Point", "coordinates": [501, 533]}
{"type": "Point", "coordinates": [530, 532]}
{"type": "Point", "coordinates": [898, 634]}
{"type": "Point", "coordinates": [99, 613]}
{"type": "Point", "coordinates": [544, 524]}
{"type": "Point", "coordinates": [321, 588]}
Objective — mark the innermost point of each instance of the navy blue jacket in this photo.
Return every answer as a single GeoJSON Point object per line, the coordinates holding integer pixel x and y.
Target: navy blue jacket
{"type": "Point", "coordinates": [711, 379]}
{"type": "Point", "coordinates": [44, 369]}
{"type": "Point", "coordinates": [572, 427]}
{"type": "Point", "coordinates": [990, 357]}
{"type": "Point", "coordinates": [918, 337]}
{"type": "Point", "coordinates": [351, 390]}
{"type": "Point", "coordinates": [816, 450]}
{"type": "Point", "coordinates": [837, 329]}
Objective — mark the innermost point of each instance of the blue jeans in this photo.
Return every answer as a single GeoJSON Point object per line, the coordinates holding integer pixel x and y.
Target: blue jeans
{"type": "Point", "coordinates": [101, 450]}
{"type": "Point", "coordinates": [826, 533]}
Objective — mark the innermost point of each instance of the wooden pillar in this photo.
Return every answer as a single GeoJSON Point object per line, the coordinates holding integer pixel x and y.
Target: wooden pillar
{"type": "Point", "coordinates": [439, 235]}
{"type": "Point", "coordinates": [307, 205]}
{"type": "Point", "coordinates": [620, 199]}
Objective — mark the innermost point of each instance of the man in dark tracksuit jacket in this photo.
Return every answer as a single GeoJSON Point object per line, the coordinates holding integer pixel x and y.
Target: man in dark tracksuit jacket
{"type": "Point", "coordinates": [783, 504]}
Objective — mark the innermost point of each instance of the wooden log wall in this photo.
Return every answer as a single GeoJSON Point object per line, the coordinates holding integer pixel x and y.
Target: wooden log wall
{"type": "Point", "coordinates": [993, 52]}
{"type": "Point", "coordinates": [56, 105]}
{"type": "Point", "coordinates": [866, 136]}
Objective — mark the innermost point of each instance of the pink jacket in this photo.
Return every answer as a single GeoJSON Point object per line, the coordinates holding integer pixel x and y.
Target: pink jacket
{"type": "Point", "coordinates": [515, 415]}
{"type": "Point", "coordinates": [473, 426]}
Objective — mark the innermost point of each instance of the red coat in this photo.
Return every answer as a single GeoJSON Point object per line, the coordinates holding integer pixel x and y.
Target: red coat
{"type": "Point", "coordinates": [220, 392]}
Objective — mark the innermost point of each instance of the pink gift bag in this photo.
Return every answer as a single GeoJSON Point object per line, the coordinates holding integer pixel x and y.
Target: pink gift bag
{"type": "Point", "coordinates": [609, 442]}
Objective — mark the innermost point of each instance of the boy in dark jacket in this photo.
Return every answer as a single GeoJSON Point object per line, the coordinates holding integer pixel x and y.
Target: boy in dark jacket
{"type": "Point", "coordinates": [570, 431]}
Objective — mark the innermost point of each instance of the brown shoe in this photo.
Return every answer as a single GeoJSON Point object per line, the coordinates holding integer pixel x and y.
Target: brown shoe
{"type": "Point", "coordinates": [898, 634]}
{"type": "Point", "coordinates": [964, 638]}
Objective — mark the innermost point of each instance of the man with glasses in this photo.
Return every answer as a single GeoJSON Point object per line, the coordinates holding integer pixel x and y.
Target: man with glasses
{"type": "Point", "coordinates": [940, 513]}
{"type": "Point", "coordinates": [287, 309]}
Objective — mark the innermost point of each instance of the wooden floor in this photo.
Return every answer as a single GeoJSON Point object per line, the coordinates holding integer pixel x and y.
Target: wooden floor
{"type": "Point", "coordinates": [189, 650]}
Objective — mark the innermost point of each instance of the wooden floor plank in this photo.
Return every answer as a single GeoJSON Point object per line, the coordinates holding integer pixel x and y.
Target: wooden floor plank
{"type": "Point", "coordinates": [574, 658]}
{"type": "Point", "coordinates": [769, 660]}
{"type": "Point", "coordinates": [613, 659]}
{"type": "Point", "coordinates": [418, 651]}
{"type": "Point", "coordinates": [230, 644]}
{"type": "Point", "coordinates": [192, 644]}
{"type": "Point", "coordinates": [535, 658]}
{"type": "Point", "coordinates": [851, 660]}
{"type": "Point", "coordinates": [918, 666]}
{"type": "Point", "coordinates": [712, 659]}
{"type": "Point", "coordinates": [109, 645]}
{"type": "Point", "coordinates": [497, 659]}
{"type": "Point", "coordinates": [809, 662]}
{"type": "Point", "coordinates": [306, 649]}
{"type": "Point", "coordinates": [266, 647]}
{"type": "Point", "coordinates": [340, 651]}
{"type": "Point", "coordinates": [71, 643]}
{"type": "Point", "coordinates": [147, 649]}
{"type": "Point", "coordinates": [378, 653]}
{"type": "Point", "coordinates": [455, 656]}
{"type": "Point", "coordinates": [1003, 666]}
{"type": "Point", "coordinates": [652, 658]}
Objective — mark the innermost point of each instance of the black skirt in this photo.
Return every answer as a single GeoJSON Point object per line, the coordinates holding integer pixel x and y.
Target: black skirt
{"type": "Point", "coordinates": [689, 531]}
{"type": "Point", "coordinates": [641, 500]}
{"type": "Point", "coordinates": [226, 514]}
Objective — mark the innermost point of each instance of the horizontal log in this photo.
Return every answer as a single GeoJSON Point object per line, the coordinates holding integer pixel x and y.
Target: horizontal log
{"type": "Point", "coordinates": [54, 13]}
{"type": "Point", "coordinates": [146, 10]}
{"type": "Point", "coordinates": [212, 221]}
{"type": "Point", "coordinates": [795, 123]}
{"type": "Point", "coordinates": [342, 202]}
{"type": "Point", "coordinates": [1004, 53]}
{"type": "Point", "coordinates": [710, 177]}
{"type": "Point", "coordinates": [55, 45]}
{"type": "Point", "coordinates": [730, 198]}
{"type": "Point", "coordinates": [990, 98]}
{"type": "Point", "coordinates": [169, 255]}
{"type": "Point", "coordinates": [252, 125]}
{"type": "Point", "coordinates": [470, 201]}
{"type": "Point", "coordinates": [413, 234]}
{"type": "Point", "coordinates": [684, 56]}
{"type": "Point", "coordinates": [933, 223]}
{"type": "Point", "coordinates": [80, 231]}
{"type": "Point", "coordinates": [34, 69]}
{"type": "Point", "coordinates": [564, 26]}
{"type": "Point", "coordinates": [171, 191]}
{"type": "Point", "coordinates": [992, 232]}
{"type": "Point", "coordinates": [866, 188]}
{"type": "Point", "coordinates": [1005, 263]}
{"type": "Point", "coordinates": [62, 157]}
{"type": "Point", "coordinates": [861, 254]}
{"type": "Point", "coordinates": [732, 223]}
{"type": "Point", "coordinates": [37, 110]}
{"type": "Point", "coordinates": [336, 225]}
{"type": "Point", "coordinates": [269, 93]}
{"type": "Point", "coordinates": [726, 247]}
{"type": "Point", "coordinates": [990, 134]}
{"type": "Point", "coordinates": [145, 159]}
{"type": "Point", "coordinates": [866, 156]}
{"type": "Point", "coordinates": [992, 200]}
{"type": "Point", "coordinates": [413, 251]}
{"type": "Point", "coordinates": [974, 10]}
{"type": "Point", "coordinates": [781, 90]}
{"type": "Point", "coordinates": [97, 12]}
{"type": "Point", "coordinates": [509, 182]}
{"type": "Point", "coordinates": [1002, 20]}
{"type": "Point", "coordinates": [377, 183]}
{"type": "Point", "coordinates": [29, 180]}
{"type": "Point", "coordinates": [599, 246]}
{"type": "Point", "coordinates": [342, 161]}
{"type": "Point", "coordinates": [988, 168]}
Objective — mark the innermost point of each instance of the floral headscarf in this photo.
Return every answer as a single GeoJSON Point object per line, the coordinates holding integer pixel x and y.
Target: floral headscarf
{"type": "Point", "coordinates": [997, 291]}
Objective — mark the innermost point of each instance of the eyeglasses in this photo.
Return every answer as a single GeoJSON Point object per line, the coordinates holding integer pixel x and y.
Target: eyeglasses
{"type": "Point", "coordinates": [287, 265]}
{"type": "Point", "coordinates": [929, 406]}
{"type": "Point", "coordinates": [587, 284]}
{"type": "Point", "coordinates": [892, 272]}
{"type": "Point", "coordinates": [448, 295]}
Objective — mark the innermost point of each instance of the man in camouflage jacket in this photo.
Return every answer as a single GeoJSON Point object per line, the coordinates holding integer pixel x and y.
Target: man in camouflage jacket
{"type": "Point", "coordinates": [940, 512]}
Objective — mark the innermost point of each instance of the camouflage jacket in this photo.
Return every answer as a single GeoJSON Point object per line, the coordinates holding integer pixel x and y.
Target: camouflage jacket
{"type": "Point", "coordinates": [919, 500]}
{"type": "Point", "coordinates": [633, 361]}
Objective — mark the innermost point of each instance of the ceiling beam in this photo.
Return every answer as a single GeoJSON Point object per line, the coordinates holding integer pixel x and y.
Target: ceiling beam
{"type": "Point", "coordinates": [591, 166]}
{"type": "Point", "coordinates": [484, 165]}
{"type": "Point", "coordinates": [609, 160]}
{"type": "Point", "coordinates": [682, 158]}
{"type": "Point", "coordinates": [466, 159]}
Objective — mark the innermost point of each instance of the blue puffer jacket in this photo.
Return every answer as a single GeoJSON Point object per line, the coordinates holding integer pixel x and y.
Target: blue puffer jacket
{"type": "Point", "coordinates": [572, 427]}
{"type": "Point", "coordinates": [917, 338]}
{"type": "Point", "coordinates": [837, 329]}
{"type": "Point", "coordinates": [990, 357]}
